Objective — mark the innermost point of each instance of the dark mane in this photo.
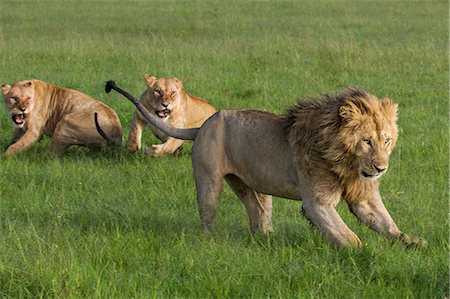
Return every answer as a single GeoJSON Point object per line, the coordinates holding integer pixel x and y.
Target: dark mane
{"type": "Point", "coordinates": [324, 106]}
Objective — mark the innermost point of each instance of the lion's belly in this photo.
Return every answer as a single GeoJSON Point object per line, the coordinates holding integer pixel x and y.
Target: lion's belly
{"type": "Point", "coordinates": [256, 150]}
{"type": "Point", "coordinates": [268, 174]}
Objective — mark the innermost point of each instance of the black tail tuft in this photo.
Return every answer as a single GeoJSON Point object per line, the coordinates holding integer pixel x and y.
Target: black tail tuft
{"type": "Point", "coordinates": [110, 85]}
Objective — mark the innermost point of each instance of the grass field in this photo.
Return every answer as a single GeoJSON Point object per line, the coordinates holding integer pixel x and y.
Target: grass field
{"type": "Point", "coordinates": [110, 224]}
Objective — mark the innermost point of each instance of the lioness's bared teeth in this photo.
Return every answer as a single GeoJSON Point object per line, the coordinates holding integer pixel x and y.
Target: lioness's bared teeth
{"type": "Point", "coordinates": [18, 118]}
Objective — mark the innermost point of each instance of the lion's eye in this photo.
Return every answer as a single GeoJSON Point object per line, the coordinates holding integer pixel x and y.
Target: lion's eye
{"type": "Point", "coordinates": [158, 92]}
{"type": "Point", "coordinates": [14, 99]}
{"type": "Point", "coordinates": [173, 93]}
{"type": "Point", "coordinates": [388, 141]}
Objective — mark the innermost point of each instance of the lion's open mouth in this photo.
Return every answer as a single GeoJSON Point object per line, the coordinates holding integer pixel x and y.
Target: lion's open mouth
{"type": "Point", "coordinates": [370, 176]}
{"type": "Point", "coordinates": [366, 175]}
{"type": "Point", "coordinates": [162, 113]}
{"type": "Point", "coordinates": [19, 119]}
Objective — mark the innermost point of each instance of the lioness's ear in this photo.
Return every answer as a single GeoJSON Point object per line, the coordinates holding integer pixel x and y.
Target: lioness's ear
{"type": "Point", "coordinates": [150, 79]}
{"type": "Point", "coordinates": [390, 108]}
{"type": "Point", "coordinates": [6, 88]}
{"type": "Point", "coordinates": [179, 83]}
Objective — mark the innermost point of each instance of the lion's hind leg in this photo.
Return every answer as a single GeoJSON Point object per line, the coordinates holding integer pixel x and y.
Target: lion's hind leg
{"type": "Point", "coordinates": [258, 205]}
{"type": "Point", "coordinates": [209, 187]}
{"type": "Point", "coordinates": [77, 128]}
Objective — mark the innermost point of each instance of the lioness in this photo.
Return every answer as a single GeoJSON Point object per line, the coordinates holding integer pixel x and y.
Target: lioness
{"type": "Point", "coordinates": [166, 98]}
{"type": "Point", "coordinates": [322, 149]}
{"type": "Point", "coordinates": [37, 108]}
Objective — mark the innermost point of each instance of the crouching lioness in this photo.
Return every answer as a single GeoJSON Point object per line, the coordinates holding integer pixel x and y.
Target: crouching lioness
{"type": "Point", "coordinates": [166, 99]}
{"type": "Point", "coordinates": [37, 108]}
{"type": "Point", "coordinates": [322, 149]}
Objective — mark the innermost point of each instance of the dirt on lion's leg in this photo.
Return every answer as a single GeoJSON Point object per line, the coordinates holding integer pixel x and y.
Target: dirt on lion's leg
{"type": "Point", "coordinates": [259, 206]}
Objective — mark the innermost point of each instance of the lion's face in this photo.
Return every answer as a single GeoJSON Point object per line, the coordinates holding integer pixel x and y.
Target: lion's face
{"type": "Point", "coordinates": [19, 101]}
{"type": "Point", "coordinates": [164, 94]}
{"type": "Point", "coordinates": [371, 136]}
{"type": "Point", "coordinates": [372, 152]}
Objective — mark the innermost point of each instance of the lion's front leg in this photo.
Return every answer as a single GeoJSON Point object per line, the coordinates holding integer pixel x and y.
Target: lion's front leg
{"type": "Point", "coordinates": [328, 221]}
{"type": "Point", "coordinates": [134, 137]}
{"type": "Point", "coordinates": [372, 212]}
{"type": "Point", "coordinates": [28, 139]}
{"type": "Point", "coordinates": [167, 148]}
{"type": "Point", "coordinates": [318, 206]}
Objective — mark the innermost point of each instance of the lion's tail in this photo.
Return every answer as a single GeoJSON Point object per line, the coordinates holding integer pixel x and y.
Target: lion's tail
{"type": "Point", "coordinates": [184, 134]}
{"type": "Point", "coordinates": [111, 141]}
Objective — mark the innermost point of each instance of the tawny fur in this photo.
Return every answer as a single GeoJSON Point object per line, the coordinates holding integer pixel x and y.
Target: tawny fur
{"type": "Point", "coordinates": [64, 114]}
{"type": "Point", "coordinates": [321, 150]}
{"type": "Point", "coordinates": [183, 111]}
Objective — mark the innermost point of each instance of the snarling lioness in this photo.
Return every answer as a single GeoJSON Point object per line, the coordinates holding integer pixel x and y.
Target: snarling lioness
{"type": "Point", "coordinates": [37, 108]}
{"type": "Point", "coordinates": [166, 98]}
{"type": "Point", "coordinates": [320, 150]}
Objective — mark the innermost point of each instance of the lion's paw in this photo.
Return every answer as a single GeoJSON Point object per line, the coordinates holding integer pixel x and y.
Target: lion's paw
{"type": "Point", "coordinates": [155, 150]}
{"type": "Point", "coordinates": [413, 242]}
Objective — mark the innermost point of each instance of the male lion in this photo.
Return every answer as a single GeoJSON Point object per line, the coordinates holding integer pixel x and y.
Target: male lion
{"type": "Point", "coordinates": [166, 98]}
{"type": "Point", "coordinates": [322, 149]}
{"type": "Point", "coordinates": [67, 115]}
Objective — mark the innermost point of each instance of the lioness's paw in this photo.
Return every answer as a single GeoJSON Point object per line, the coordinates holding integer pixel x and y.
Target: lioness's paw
{"type": "Point", "coordinates": [155, 150]}
{"type": "Point", "coordinates": [413, 242]}
{"type": "Point", "coordinates": [133, 148]}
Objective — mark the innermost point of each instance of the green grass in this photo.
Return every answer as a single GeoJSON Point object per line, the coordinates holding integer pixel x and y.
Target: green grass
{"type": "Point", "coordinates": [110, 224]}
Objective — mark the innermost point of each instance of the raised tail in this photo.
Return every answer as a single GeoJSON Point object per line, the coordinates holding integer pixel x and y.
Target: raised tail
{"type": "Point", "coordinates": [184, 134]}
{"type": "Point", "coordinates": [111, 141]}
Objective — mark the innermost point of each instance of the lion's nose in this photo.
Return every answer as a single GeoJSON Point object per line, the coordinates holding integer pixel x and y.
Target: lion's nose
{"type": "Point", "coordinates": [164, 105]}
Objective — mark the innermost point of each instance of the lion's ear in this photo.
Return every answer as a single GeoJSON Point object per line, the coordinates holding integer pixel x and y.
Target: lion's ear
{"type": "Point", "coordinates": [390, 108]}
{"type": "Point", "coordinates": [150, 79]}
{"type": "Point", "coordinates": [351, 113]}
{"type": "Point", "coordinates": [6, 88]}
{"type": "Point", "coordinates": [28, 84]}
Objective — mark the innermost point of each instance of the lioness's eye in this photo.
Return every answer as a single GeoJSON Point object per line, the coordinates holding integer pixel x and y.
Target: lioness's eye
{"type": "Point", "coordinates": [368, 142]}
{"type": "Point", "coordinates": [387, 141]}
{"type": "Point", "coordinates": [173, 93]}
